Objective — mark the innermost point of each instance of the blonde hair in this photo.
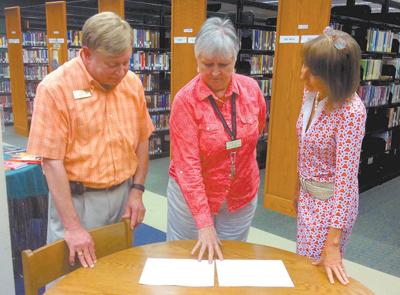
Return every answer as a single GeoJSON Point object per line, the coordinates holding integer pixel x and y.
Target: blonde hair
{"type": "Point", "coordinates": [339, 69]}
{"type": "Point", "coordinates": [108, 33]}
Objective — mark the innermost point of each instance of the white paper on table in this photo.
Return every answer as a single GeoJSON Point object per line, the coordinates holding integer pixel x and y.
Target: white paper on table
{"type": "Point", "coordinates": [253, 273]}
{"type": "Point", "coordinates": [177, 272]}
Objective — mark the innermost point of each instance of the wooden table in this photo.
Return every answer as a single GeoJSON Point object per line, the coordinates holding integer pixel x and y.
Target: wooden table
{"type": "Point", "coordinates": [120, 272]}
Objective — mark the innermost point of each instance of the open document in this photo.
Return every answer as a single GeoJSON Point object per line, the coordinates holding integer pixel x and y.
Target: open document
{"type": "Point", "coordinates": [252, 273]}
{"type": "Point", "coordinates": [177, 272]}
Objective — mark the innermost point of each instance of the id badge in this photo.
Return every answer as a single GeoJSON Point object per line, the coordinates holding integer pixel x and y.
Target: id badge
{"type": "Point", "coordinates": [234, 144]}
{"type": "Point", "coordinates": [79, 94]}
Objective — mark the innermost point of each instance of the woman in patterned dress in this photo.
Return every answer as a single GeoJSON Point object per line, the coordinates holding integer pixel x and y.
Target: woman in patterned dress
{"type": "Point", "coordinates": [330, 130]}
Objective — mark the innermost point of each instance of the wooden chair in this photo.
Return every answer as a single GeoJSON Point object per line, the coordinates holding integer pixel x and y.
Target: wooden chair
{"type": "Point", "coordinates": [50, 262]}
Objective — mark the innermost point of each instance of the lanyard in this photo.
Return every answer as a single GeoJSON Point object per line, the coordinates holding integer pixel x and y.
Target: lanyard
{"type": "Point", "coordinates": [232, 132]}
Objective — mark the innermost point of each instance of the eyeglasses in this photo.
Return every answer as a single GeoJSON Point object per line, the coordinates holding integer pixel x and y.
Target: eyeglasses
{"type": "Point", "coordinates": [336, 40]}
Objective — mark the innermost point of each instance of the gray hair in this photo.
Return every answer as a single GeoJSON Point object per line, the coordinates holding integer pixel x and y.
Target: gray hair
{"type": "Point", "coordinates": [217, 37]}
{"type": "Point", "coordinates": [108, 33]}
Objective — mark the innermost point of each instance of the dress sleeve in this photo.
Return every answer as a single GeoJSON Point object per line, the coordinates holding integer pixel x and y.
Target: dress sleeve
{"type": "Point", "coordinates": [185, 148]}
{"type": "Point", "coordinates": [349, 138]}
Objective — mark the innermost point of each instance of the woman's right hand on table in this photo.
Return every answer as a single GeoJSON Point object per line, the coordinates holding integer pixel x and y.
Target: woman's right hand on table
{"type": "Point", "coordinates": [208, 240]}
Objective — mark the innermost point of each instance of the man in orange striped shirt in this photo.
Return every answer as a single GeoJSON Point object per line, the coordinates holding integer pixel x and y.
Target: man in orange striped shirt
{"type": "Point", "coordinates": [91, 126]}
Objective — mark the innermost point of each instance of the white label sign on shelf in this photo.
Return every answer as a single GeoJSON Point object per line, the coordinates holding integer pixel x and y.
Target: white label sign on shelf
{"type": "Point", "coordinates": [180, 40]}
{"type": "Point", "coordinates": [60, 40]}
{"type": "Point", "coordinates": [302, 26]}
{"type": "Point", "coordinates": [56, 32]}
{"type": "Point", "coordinates": [188, 30]}
{"type": "Point", "coordinates": [56, 40]}
{"type": "Point", "coordinates": [306, 38]}
{"type": "Point", "coordinates": [13, 41]}
{"type": "Point", "coordinates": [289, 39]}
{"type": "Point", "coordinates": [191, 40]}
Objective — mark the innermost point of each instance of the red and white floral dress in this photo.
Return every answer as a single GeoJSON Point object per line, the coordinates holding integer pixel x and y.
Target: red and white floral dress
{"type": "Point", "coordinates": [329, 151]}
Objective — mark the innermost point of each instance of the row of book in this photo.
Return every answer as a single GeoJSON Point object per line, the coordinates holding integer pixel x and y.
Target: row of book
{"type": "Point", "coordinates": [36, 38]}
{"type": "Point", "coordinates": [74, 38]}
{"type": "Point", "coordinates": [35, 56]}
{"type": "Point", "coordinates": [30, 89]}
{"type": "Point", "coordinates": [158, 102]}
{"type": "Point", "coordinates": [4, 72]}
{"type": "Point", "coordinates": [5, 101]}
{"type": "Point", "coordinates": [150, 61]}
{"type": "Point", "coordinates": [3, 56]}
{"type": "Point", "coordinates": [72, 53]}
{"type": "Point", "coordinates": [3, 41]}
{"type": "Point", "coordinates": [150, 82]}
{"type": "Point", "coordinates": [336, 26]}
{"type": "Point", "coordinates": [260, 39]}
{"type": "Point", "coordinates": [265, 86]}
{"type": "Point", "coordinates": [373, 95]}
{"type": "Point", "coordinates": [371, 69]}
{"type": "Point", "coordinates": [394, 117]}
{"type": "Point", "coordinates": [5, 86]}
{"type": "Point", "coordinates": [155, 145]}
{"type": "Point", "coordinates": [35, 73]}
{"type": "Point", "coordinates": [261, 64]}
{"type": "Point", "coordinates": [395, 93]}
{"type": "Point", "coordinates": [160, 121]}
{"type": "Point", "coordinates": [146, 38]}
{"type": "Point", "coordinates": [380, 41]}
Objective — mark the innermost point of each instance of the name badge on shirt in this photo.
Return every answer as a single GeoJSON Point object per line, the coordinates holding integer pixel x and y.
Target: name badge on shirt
{"type": "Point", "coordinates": [233, 144]}
{"type": "Point", "coordinates": [79, 94]}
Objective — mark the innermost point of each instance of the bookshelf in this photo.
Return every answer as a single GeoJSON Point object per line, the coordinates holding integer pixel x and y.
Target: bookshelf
{"type": "Point", "coordinates": [379, 89]}
{"type": "Point", "coordinates": [5, 89]}
{"type": "Point", "coordinates": [256, 59]}
{"type": "Point", "coordinates": [35, 58]}
{"type": "Point", "coordinates": [151, 63]}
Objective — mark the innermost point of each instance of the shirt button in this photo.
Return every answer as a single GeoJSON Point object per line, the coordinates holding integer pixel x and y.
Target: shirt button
{"type": "Point", "coordinates": [227, 191]}
{"type": "Point", "coordinates": [181, 172]}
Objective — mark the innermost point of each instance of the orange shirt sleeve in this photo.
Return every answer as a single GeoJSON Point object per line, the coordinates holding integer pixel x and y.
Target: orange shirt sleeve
{"type": "Point", "coordinates": [48, 135]}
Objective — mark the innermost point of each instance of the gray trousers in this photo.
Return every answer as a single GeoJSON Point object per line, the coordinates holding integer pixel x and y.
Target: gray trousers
{"type": "Point", "coordinates": [94, 209]}
{"type": "Point", "coordinates": [228, 225]}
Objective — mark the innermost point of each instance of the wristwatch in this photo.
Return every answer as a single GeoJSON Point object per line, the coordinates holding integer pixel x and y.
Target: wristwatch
{"type": "Point", "coordinates": [137, 186]}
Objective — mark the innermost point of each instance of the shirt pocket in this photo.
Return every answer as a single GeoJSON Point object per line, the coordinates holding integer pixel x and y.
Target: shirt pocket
{"type": "Point", "coordinates": [248, 126]}
{"type": "Point", "coordinates": [210, 137]}
{"type": "Point", "coordinates": [89, 116]}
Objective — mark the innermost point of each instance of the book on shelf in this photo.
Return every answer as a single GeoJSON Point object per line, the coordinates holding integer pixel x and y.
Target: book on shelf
{"type": "Point", "coordinates": [142, 60]}
{"type": "Point", "coordinates": [265, 86]}
{"type": "Point", "coordinates": [34, 38]}
{"type": "Point", "coordinates": [11, 165]}
{"type": "Point", "coordinates": [143, 38]}
{"type": "Point", "coordinates": [150, 81]}
{"type": "Point", "coordinates": [157, 102]}
{"type": "Point", "coordinates": [3, 41]}
{"type": "Point", "coordinates": [373, 95]}
{"type": "Point", "coordinates": [371, 69]}
{"type": "Point", "coordinates": [4, 72]}
{"type": "Point", "coordinates": [3, 56]}
{"type": "Point", "coordinates": [160, 121]}
{"type": "Point", "coordinates": [395, 93]}
{"type": "Point", "coordinates": [74, 38]}
{"type": "Point", "coordinates": [379, 41]}
{"type": "Point", "coordinates": [5, 86]}
{"type": "Point", "coordinates": [35, 55]}
{"type": "Point", "coordinates": [25, 158]}
{"type": "Point", "coordinates": [37, 72]}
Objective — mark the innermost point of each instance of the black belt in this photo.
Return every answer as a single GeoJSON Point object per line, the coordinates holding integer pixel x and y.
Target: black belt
{"type": "Point", "coordinates": [78, 188]}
